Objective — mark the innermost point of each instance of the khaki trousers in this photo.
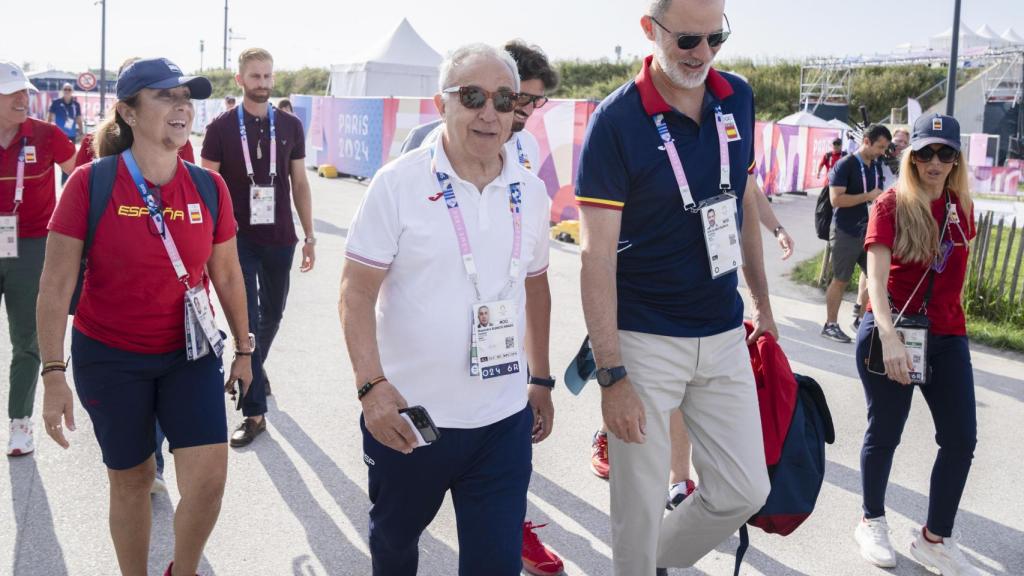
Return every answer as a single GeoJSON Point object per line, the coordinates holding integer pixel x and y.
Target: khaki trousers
{"type": "Point", "coordinates": [711, 381]}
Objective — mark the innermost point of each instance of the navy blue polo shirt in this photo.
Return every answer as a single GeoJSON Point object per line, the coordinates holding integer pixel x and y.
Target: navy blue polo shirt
{"type": "Point", "coordinates": [664, 279]}
{"type": "Point", "coordinates": [64, 111]}
{"type": "Point", "coordinates": [852, 173]}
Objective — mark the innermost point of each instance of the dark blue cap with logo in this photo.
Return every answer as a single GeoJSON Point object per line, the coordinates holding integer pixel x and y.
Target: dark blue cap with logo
{"type": "Point", "coordinates": [935, 129]}
{"type": "Point", "coordinates": [159, 73]}
{"type": "Point", "coordinates": [582, 368]}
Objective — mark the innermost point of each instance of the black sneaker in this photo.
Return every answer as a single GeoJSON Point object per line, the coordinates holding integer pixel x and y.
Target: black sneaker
{"type": "Point", "coordinates": [832, 331]}
{"type": "Point", "coordinates": [247, 431]}
{"type": "Point", "coordinates": [855, 325]}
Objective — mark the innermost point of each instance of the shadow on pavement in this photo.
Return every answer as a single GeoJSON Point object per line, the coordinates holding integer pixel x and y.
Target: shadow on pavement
{"type": "Point", "coordinates": [978, 533]}
{"type": "Point", "coordinates": [36, 549]}
{"type": "Point", "coordinates": [349, 497]}
{"type": "Point", "coordinates": [325, 227]}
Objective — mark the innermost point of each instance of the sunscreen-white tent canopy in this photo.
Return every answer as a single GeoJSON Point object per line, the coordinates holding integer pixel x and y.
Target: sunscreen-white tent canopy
{"type": "Point", "coordinates": [402, 65]}
{"type": "Point", "coordinates": [1011, 37]}
{"type": "Point", "coordinates": [968, 39]}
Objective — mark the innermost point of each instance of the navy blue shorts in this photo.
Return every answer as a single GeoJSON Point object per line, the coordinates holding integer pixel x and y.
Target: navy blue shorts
{"type": "Point", "coordinates": [125, 393]}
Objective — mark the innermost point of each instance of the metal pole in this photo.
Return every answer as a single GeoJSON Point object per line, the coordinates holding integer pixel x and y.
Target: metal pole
{"type": "Point", "coordinates": [103, 58]}
{"type": "Point", "coordinates": [225, 64]}
{"type": "Point", "coordinates": [201, 46]}
{"type": "Point", "coordinates": [953, 55]}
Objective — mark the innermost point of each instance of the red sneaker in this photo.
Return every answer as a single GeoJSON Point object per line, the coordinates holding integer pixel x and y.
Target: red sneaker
{"type": "Point", "coordinates": [537, 558]}
{"type": "Point", "coordinates": [170, 571]}
{"type": "Point", "coordinates": [599, 455]}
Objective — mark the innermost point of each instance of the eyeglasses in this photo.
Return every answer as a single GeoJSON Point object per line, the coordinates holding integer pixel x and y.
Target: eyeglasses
{"type": "Point", "coordinates": [525, 100]}
{"type": "Point", "coordinates": [946, 154]}
{"type": "Point", "coordinates": [474, 98]}
{"type": "Point", "coordinates": [691, 41]}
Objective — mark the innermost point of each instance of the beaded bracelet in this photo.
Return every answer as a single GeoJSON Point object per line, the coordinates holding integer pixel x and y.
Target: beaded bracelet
{"type": "Point", "coordinates": [369, 386]}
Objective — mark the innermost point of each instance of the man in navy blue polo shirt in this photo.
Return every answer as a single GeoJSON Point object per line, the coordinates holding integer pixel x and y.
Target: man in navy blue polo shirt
{"type": "Point", "coordinates": [66, 113]}
{"type": "Point", "coordinates": [854, 182]}
{"type": "Point", "coordinates": [659, 287]}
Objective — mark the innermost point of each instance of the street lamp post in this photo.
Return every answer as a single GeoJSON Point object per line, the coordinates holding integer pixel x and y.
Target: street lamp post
{"type": "Point", "coordinates": [103, 58]}
{"type": "Point", "coordinates": [955, 47]}
{"type": "Point", "coordinates": [225, 64]}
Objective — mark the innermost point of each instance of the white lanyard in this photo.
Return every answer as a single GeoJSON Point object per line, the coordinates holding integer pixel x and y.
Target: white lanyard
{"type": "Point", "coordinates": [19, 178]}
{"type": "Point", "coordinates": [245, 145]}
{"type": "Point", "coordinates": [523, 160]}
{"type": "Point", "coordinates": [158, 219]}
{"type": "Point", "coordinates": [515, 202]}
{"type": "Point", "coordinates": [677, 164]}
{"type": "Point", "coordinates": [864, 177]}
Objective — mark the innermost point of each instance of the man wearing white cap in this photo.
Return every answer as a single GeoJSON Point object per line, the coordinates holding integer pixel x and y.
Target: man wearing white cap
{"type": "Point", "coordinates": [29, 150]}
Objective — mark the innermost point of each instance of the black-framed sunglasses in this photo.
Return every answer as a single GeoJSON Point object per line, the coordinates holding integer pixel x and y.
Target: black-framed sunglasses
{"type": "Point", "coordinates": [946, 154]}
{"type": "Point", "coordinates": [475, 97]}
{"type": "Point", "coordinates": [690, 41]}
{"type": "Point", "coordinates": [538, 101]}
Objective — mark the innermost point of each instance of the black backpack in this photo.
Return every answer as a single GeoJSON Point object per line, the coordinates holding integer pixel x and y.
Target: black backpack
{"type": "Point", "coordinates": [101, 188]}
{"type": "Point", "coordinates": [823, 214]}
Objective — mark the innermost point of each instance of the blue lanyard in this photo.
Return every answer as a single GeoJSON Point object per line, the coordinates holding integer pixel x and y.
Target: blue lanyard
{"type": "Point", "coordinates": [245, 145]}
{"type": "Point", "coordinates": [523, 160]}
{"type": "Point", "coordinates": [156, 215]}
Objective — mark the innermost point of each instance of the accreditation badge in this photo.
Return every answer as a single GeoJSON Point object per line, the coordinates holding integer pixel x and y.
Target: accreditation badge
{"type": "Point", "coordinates": [201, 333]}
{"type": "Point", "coordinates": [261, 205]}
{"type": "Point", "coordinates": [8, 235]}
{"type": "Point", "coordinates": [495, 346]}
{"type": "Point", "coordinates": [30, 154]}
{"type": "Point", "coordinates": [732, 132]}
{"type": "Point", "coordinates": [916, 342]}
{"type": "Point", "coordinates": [721, 234]}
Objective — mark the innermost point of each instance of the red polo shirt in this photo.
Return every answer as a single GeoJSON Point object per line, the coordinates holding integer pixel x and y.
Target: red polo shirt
{"type": "Point", "coordinates": [52, 147]}
{"type": "Point", "coordinates": [944, 310]}
{"type": "Point", "coordinates": [131, 299]}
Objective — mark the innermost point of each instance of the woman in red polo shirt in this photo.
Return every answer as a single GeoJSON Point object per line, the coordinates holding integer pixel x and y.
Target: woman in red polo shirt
{"type": "Point", "coordinates": [145, 346]}
{"type": "Point", "coordinates": [918, 243]}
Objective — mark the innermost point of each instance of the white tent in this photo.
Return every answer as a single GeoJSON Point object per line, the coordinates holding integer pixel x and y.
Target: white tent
{"type": "Point", "coordinates": [804, 119]}
{"type": "Point", "coordinates": [1011, 37]}
{"type": "Point", "coordinates": [403, 65]}
{"type": "Point", "coordinates": [837, 123]}
{"type": "Point", "coordinates": [944, 41]}
{"type": "Point", "coordinates": [989, 36]}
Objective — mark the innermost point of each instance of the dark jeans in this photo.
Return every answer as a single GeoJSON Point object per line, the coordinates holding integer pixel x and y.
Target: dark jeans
{"type": "Point", "coordinates": [950, 397]}
{"type": "Point", "coordinates": [488, 472]}
{"type": "Point", "coordinates": [267, 273]}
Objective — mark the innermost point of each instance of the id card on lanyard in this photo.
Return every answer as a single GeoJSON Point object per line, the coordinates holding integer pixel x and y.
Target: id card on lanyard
{"type": "Point", "coordinates": [261, 198]}
{"type": "Point", "coordinates": [494, 337]}
{"type": "Point", "coordinates": [69, 115]}
{"type": "Point", "coordinates": [9, 222]}
{"type": "Point", "coordinates": [719, 214]}
{"type": "Point", "coordinates": [201, 333]}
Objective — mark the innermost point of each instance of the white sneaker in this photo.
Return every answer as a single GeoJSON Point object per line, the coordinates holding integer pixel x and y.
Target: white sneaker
{"type": "Point", "coordinates": [945, 557]}
{"type": "Point", "coordinates": [873, 538]}
{"type": "Point", "coordinates": [159, 486]}
{"type": "Point", "coordinates": [20, 442]}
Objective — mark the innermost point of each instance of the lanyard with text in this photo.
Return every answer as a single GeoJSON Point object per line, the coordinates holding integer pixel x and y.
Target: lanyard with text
{"type": "Point", "coordinates": [523, 160]}
{"type": "Point", "coordinates": [494, 338]}
{"type": "Point", "coordinates": [515, 201]}
{"type": "Point", "coordinates": [677, 164]}
{"type": "Point", "coordinates": [201, 331]}
{"type": "Point", "coordinates": [245, 145]}
{"type": "Point", "coordinates": [9, 222]}
{"type": "Point", "coordinates": [19, 177]}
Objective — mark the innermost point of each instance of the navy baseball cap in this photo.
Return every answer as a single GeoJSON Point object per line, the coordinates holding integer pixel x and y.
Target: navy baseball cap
{"type": "Point", "coordinates": [581, 369]}
{"type": "Point", "coordinates": [935, 129]}
{"type": "Point", "coordinates": [159, 73]}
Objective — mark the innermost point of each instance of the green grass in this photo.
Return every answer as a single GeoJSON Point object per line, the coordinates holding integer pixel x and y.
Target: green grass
{"type": "Point", "coordinates": [991, 322]}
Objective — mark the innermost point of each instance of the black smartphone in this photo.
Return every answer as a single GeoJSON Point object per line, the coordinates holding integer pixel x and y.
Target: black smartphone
{"type": "Point", "coordinates": [421, 423]}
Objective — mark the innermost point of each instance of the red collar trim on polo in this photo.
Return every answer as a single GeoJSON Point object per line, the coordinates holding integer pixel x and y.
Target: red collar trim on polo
{"type": "Point", "coordinates": [654, 103]}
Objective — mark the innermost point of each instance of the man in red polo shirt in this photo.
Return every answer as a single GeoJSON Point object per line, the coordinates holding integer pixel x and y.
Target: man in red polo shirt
{"type": "Point", "coordinates": [830, 158]}
{"type": "Point", "coordinates": [30, 150]}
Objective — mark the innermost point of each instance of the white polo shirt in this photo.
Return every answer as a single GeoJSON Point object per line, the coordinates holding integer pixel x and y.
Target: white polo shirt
{"type": "Point", "coordinates": [424, 309]}
{"type": "Point", "coordinates": [522, 139]}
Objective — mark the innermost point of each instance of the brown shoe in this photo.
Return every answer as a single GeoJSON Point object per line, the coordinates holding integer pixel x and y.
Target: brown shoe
{"type": "Point", "coordinates": [247, 431]}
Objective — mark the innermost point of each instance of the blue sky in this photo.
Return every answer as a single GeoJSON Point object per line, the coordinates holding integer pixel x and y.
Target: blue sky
{"type": "Point", "coordinates": [65, 33]}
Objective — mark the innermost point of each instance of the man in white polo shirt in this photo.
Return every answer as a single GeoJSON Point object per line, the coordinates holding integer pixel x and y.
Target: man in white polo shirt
{"type": "Point", "coordinates": [441, 232]}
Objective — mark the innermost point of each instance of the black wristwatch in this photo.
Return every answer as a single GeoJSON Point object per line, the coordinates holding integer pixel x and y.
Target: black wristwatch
{"type": "Point", "coordinates": [545, 382]}
{"type": "Point", "coordinates": [609, 376]}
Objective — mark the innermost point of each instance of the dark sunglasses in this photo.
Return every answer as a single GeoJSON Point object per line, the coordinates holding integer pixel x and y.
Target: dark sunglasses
{"type": "Point", "coordinates": [946, 154]}
{"type": "Point", "coordinates": [525, 100]}
{"type": "Point", "coordinates": [691, 41]}
{"type": "Point", "coordinates": [474, 97]}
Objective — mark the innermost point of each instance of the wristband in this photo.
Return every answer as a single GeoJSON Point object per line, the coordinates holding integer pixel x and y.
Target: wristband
{"type": "Point", "coordinates": [778, 229]}
{"type": "Point", "coordinates": [55, 368]}
{"type": "Point", "coordinates": [545, 382]}
{"type": "Point", "coordinates": [369, 386]}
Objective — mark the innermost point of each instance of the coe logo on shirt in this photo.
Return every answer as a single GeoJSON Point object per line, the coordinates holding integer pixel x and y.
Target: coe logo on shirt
{"type": "Point", "coordinates": [142, 212]}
